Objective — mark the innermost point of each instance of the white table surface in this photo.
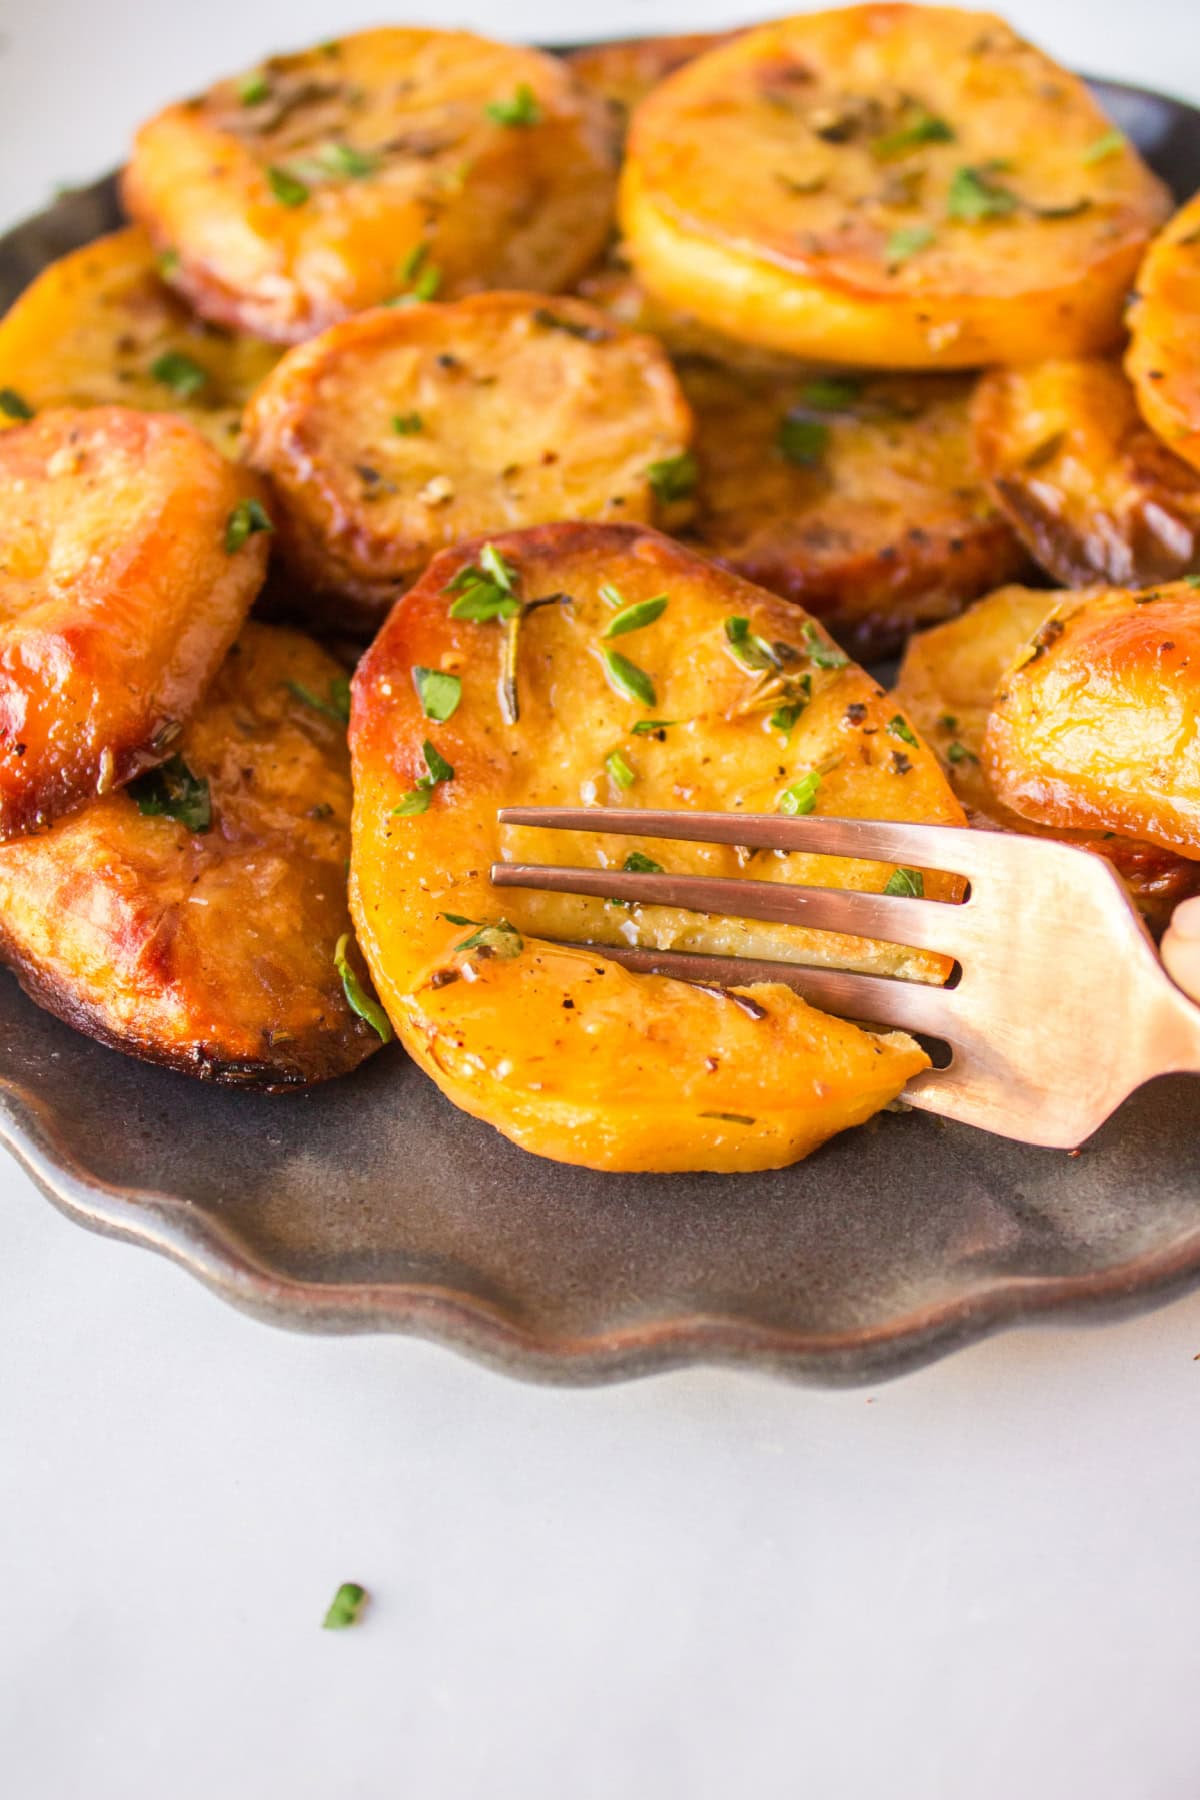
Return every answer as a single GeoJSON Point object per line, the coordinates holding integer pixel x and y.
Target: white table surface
{"type": "Point", "coordinates": [976, 1583]}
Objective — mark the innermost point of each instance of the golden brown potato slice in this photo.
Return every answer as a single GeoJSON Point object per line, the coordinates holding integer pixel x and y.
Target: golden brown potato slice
{"type": "Point", "coordinates": [860, 499]}
{"type": "Point", "coordinates": [392, 162]}
{"type": "Point", "coordinates": [194, 918]}
{"type": "Point", "coordinates": [130, 552]}
{"type": "Point", "coordinates": [1097, 728]}
{"type": "Point", "coordinates": [1163, 360]}
{"type": "Point", "coordinates": [947, 685]}
{"type": "Point", "coordinates": [1092, 491]}
{"type": "Point", "coordinates": [624, 71]}
{"type": "Point", "coordinates": [651, 676]}
{"type": "Point", "coordinates": [100, 327]}
{"type": "Point", "coordinates": [891, 185]}
{"type": "Point", "coordinates": [400, 431]}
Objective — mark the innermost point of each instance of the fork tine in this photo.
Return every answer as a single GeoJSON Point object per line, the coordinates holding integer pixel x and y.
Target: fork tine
{"type": "Point", "coordinates": [950, 848]}
{"type": "Point", "coordinates": [908, 1005]}
{"type": "Point", "coordinates": [923, 924]}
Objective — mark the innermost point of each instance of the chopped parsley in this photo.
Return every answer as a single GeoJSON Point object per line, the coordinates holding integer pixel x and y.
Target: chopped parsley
{"type": "Point", "coordinates": [802, 440]}
{"type": "Point", "coordinates": [749, 651]}
{"type": "Point", "coordinates": [365, 1006]}
{"type": "Point", "coordinates": [344, 159]}
{"type": "Point", "coordinates": [801, 797]}
{"type": "Point", "coordinates": [438, 692]}
{"type": "Point", "coordinates": [821, 654]}
{"type": "Point", "coordinates": [500, 939]}
{"type": "Point", "coordinates": [1192, 581]}
{"type": "Point", "coordinates": [180, 373]}
{"type": "Point", "coordinates": [619, 769]}
{"type": "Point", "coordinates": [12, 405]}
{"type": "Point", "coordinates": [253, 88]}
{"type": "Point", "coordinates": [172, 792]}
{"type": "Point", "coordinates": [905, 243]}
{"type": "Point", "coordinates": [1103, 147]}
{"type": "Point", "coordinates": [628, 679]}
{"type": "Point", "coordinates": [407, 424]}
{"type": "Point", "coordinates": [922, 128]}
{"type": "Point", "coordinates": [336, 707]}
{"type": "Point", "coordinates": [948, 722]}
{"type": "Point", "coordinates": [287, 188]}
{"type": "Point", "coordinates": [347, 1604]}
{"type": "Point", "coordinates": [521, 111]}
{"type": "Point", "coordinates": [638, 864]}
{"type": "Point", "coordinates": [248, 517]}
{"type": "Point", "coordinates": [831, 393]}
{"type": "Point", "coordinates": [166, 262]}
{"type": "Point", "coordinates": [437, 770]}
{"type": "Point", "coordinates": [958, 753]}
{"type": "Point", "coordinates": [673, 477]}
{"type": "Point", "coordinates": [634, 617]}
{"type": "Point", "coordinates": [900, 727]}
{"type": "Point", "coordinates": [975, 194]}
{"type": "Point", "coordinates": [419, 277]}
{"type": "Point", "coordinates": [485, 590]}
{"type": "Point", "coordinates": [906, 883]}
{"type": "Point", "coordinates": [651, 727]}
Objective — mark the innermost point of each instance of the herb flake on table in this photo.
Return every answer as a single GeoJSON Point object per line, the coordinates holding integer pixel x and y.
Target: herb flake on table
{"type": "Point", "coordinates": [346, 1607]}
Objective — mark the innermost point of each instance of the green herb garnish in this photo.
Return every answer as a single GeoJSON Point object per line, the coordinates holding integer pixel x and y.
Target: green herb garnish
{"type": "Point", "coordinates": [801, 797]}
{"type": "Point", "coordinates": [407, 424]}
{"type": "Point", "coordinates": [288, 189]}
{"type": "Point", "coordinates": [1103, 147]}
{"type": "Point", "coordinates": [248, 517]}
{"type": "Point", "coordinates": [647, 727]}
{"type": "Point", "coordinates": [821, 654]}
{"type": "Point", "coordinates": [485, 590]}
{"type": "Point", "coordinates": [500, 939]}
{"type": "Point", "coordinates": [166, 262]}
{"type": "Point", "coordinates": [1192, 581]}
{"type": "Point", "coordinates": [253, 88]}
{"type": "Point", "coordinates": [344, 159]}
{"type": "Point", "coordinates": [923, 128]}
{"type": "Point", "coordinates": [438, 693]}
{"type": "Point", "coordinates": [366, 1007]}
{"type": "Point", "coordinates": [178, 372]}
{"type": "Point", "coordinates": [171, 791]}
{"type": "Point", "coordinates": [437, 770]}
{"type": "Point", "coordinates": [636, 863]}
{"type": "Point", "coordinates": [337, 707]}
{"type": "Point", "coordinates": [521, 111]}
{"type": "Point", "coordinates": [957, 753]}
{"type": "Point", "coordinates": [899, 727]}
{"type": "Point", "coordinates": [905, 243]}
{"type": "Point", "coordinates": [975, 194]}
{"type": "Point", "coordinates": [347, 1604]}
{"type": "Point", "coordinates": [674, 477]}
{"type": "Point", "coordinates": [906, 883]}
{"type": "Point", "coordinates": [802, 440]}
{"type": "Point", "coordinates": [619, 769]}
{"type": "Point", "coordinates": [419, 276]}
{"type": "Point", "coordinates": [12, 405]}
{"type": "Point", "coordinates": [628, 679]}
{"type": "Point", "coordinates": [831, 393]}
{"type": "Point", "coordinates": [634, 617]}
{"type": "Point", "coordinates": [748, 651]}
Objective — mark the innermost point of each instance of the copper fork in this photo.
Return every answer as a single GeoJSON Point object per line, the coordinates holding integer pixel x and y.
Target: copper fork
{"type": "Point", "coordinates": [1059, 1007]}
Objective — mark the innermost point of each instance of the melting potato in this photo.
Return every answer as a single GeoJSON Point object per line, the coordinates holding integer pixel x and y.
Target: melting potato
{"type": "Point", "coordinates": [603, 663]}
{"type": "Point", "coordinates": [194, 919]}
{"type": "Point", "coordinates": [1093, 493]}
{"type": "Point", "coordinates": [392, 162]}
{"type": "Point", "coordinates": [398, 432]}
{"type": "Point", "coordinates": [129, 555]}
{"type": "Point", "coordinates": [1163, 359]}
{"type": "Point", "coordinates": [1097, 728]}
{"type": "Point", "coordinates": [100, 327]}
{"type": "Point", "coordinates": [947, 686]}
{"type": "Point", "coordinates": [859, 499]}
{"type": "Point", "coordinates": [892, 185]}
{"type": "Point", "coordinates": [624, 70]}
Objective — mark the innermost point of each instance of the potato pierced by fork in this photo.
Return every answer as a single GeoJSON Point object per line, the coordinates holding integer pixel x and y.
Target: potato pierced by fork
{"type": "Point", "coordinates": [607, 663]}
{"type": "Point", "coordinates": [195, 918]}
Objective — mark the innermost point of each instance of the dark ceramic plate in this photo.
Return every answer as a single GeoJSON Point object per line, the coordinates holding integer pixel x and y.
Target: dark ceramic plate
{"type": "Point", "coordinates": [371, 1204]}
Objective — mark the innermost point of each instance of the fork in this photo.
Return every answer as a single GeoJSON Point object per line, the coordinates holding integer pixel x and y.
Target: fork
{"type": "Point", "coordinates": [1058, 1007]}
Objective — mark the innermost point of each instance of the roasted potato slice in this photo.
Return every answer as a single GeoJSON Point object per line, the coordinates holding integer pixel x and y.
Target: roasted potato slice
{"type": "Point", "coordinates": [1092, 491]}
{"type": "Point", "coordinates": [194, 918]}
{"type": "Point", "coordinates": [859, 499]}
{"type": "Point", "coordinates": [1163, 359]}
{"type": "Point", "coordinates": [100, 327]}
{"type": "Point", "coordinates": [400, 431]}
{"type": "Point", "coordinates": [891, 185]}
{"type": "Point", "coordinates": [625, 70]}
{"type": "Point", "coordinates": [626, 667]}
{"type": "Point", "coordinates": [947, 685]}
{"type": "Point", "coordinates": [130, 552]}
{"type": "Point", "coordinates": [1098, 727]}
{"type": "Point", "coordinates": [391, 162]}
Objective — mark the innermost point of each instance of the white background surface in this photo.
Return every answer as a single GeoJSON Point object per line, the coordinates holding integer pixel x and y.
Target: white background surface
{"type": "Point", "coordinates": [977, 1583]}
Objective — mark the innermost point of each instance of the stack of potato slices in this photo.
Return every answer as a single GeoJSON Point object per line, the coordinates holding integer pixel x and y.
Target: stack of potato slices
{"type": "Point", "coordinates": [626, 396]}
